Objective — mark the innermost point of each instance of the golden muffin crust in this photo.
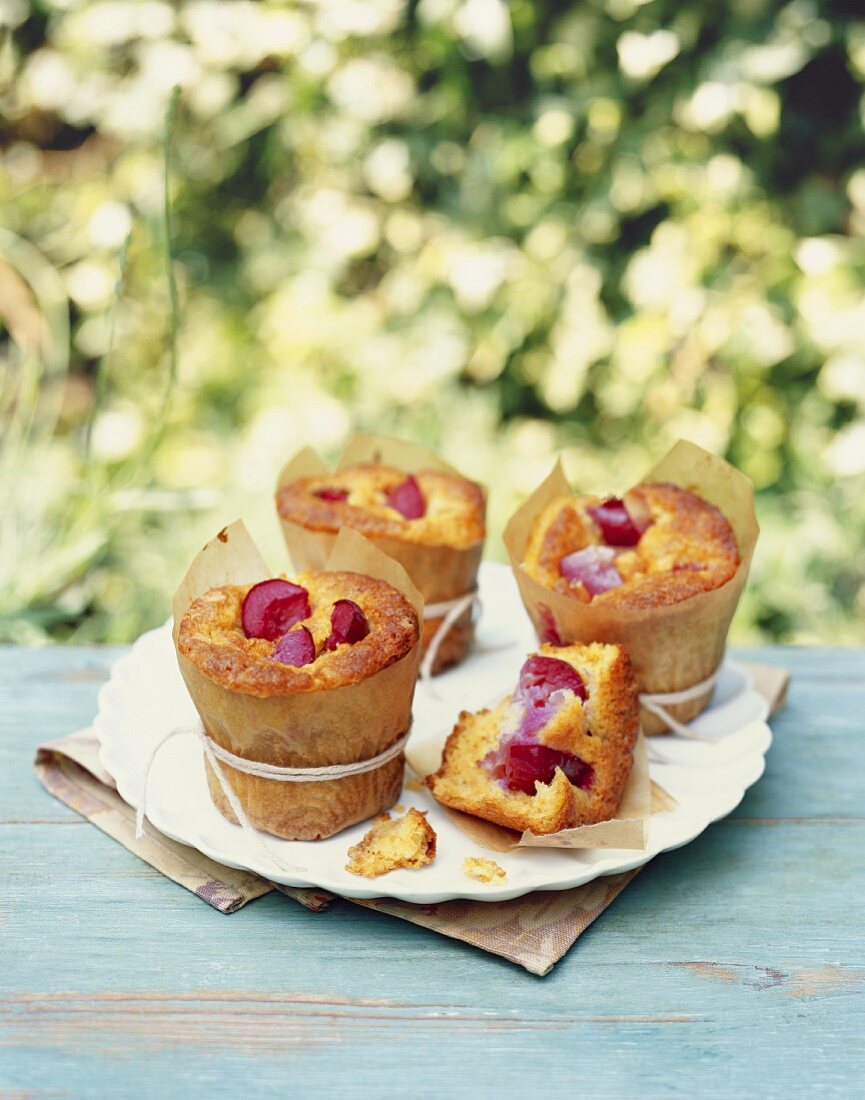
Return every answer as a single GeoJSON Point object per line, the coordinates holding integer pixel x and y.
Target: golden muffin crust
{"type": "Point", "coordinates": [601, 731]}
{"type": "Point", "coordinates": [454, 505]}
{"type": "Point", "coordinates": [211, 637]}
{"type": "Point", "coordinates": [689, 547]}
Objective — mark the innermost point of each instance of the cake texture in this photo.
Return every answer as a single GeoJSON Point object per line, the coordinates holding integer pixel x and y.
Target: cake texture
{"type": "Point", "coordinates": [391, 843]}
{"type": "Point", "coordinates": [313, 672]}
{"type": "Point", "coordinates": [420, 513]}
{"type": "Point", "coordinates": [556, 753]}
{"type": "Point", "coordinates": [659, 571]}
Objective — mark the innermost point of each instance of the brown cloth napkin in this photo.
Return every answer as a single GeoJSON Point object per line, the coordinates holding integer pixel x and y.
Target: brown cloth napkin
{"type": "Point", "coordinates": [534, 931]}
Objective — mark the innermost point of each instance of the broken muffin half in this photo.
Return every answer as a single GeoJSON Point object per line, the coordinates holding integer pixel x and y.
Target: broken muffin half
{"type": "Point", "coordinates": [554, 754]}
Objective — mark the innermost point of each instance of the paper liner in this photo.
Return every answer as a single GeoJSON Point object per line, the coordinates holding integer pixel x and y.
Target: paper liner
{"type": "Point", "coordinates": [311, 729]}
{"type": "Point", "coordinates": [626, 830]}
{"type": "Point", "coordinates": [439, 572]}
{"type": "Point", "coordinates": [671, 647]}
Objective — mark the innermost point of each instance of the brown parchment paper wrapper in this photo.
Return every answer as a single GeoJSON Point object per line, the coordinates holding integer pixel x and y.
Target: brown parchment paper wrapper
{"type": "Point", "coordinates": [671, 647]}
{"type": "Point", "coordinates": [628, 829]}
{"type": "Point", "coordinates": [439, 572]}
{"type": "Point", "coordinates": [311, 729]}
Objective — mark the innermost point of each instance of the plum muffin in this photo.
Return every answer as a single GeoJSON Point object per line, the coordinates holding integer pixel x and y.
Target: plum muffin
{"type": "Point", "coordinates": [432, 522]}
{"type": "Point", "coordinates": [313, 672]}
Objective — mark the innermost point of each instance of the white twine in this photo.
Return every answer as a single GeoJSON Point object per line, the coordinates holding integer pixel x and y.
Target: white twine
{"type": "Point", "coordinates": [303, 775]}
{"type": "Point", "coordinates": [657, 702]}
{"type": "Point", "coordinates": [216, 753]}
{"type": "Point", "coordinates": [451, 610]}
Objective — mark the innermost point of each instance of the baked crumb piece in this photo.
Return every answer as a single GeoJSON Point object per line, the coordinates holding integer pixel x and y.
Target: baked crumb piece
{"type": "Point", "coordinates": [484, 870]}
{"type": "Point", "coordinates": [415, 785]}
{"type": "Point", "coordinates": [390, 843]}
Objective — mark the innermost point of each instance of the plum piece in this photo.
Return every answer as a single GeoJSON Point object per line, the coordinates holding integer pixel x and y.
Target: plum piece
{"type": "Point", "coordinates": [328, 493]}
{"type": "Point", "coordinates": [615, 522]}
{"type": "Point", "coordinates": [407, 499]}
{"type": "Point", "coordinates": [295, 648]}
{"type": "Point", "coordinates": [577, 771]}
{"type": "Point", "coordinates": [520, 760]}
{"type": "Point", "coordinates": [271, 608]}
{"type": "Point", "coordinates": [549, 631]}
{"type": "Point", "coordinates": [525, 763]}
{"type": "Point", "coordinates": [541, 676]}
{"type": "Point", "coordinates": [594, 567]}
{"type": "Point", "coordinates": [347, 624]}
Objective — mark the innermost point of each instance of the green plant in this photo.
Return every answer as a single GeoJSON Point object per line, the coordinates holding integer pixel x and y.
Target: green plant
{"type": "Point", "coordinates": [507, 230]}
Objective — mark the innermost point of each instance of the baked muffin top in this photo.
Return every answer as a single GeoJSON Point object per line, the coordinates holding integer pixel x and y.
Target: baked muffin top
{"type": "Point", "coordinates": [433, 507]}
{"type": "Point", "coordinates": [381, 627]}
{"type": "Point", "coordinates": [659, 545]}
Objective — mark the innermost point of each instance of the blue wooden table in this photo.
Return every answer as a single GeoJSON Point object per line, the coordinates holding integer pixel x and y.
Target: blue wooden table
{"type": "Point", "coordinates": [733, 967]}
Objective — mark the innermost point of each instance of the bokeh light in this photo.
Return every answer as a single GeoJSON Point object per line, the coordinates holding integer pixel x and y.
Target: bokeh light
{"type": "Point", "coordinates": [507, 230]}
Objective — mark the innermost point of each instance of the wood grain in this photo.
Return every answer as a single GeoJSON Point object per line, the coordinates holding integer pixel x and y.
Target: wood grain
{"type": "Point", "coordinates": [732, 967]}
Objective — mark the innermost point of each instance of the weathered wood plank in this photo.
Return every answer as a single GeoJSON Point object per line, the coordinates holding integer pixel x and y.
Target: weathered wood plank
{"type": "Point", "coordinates": [733, 966]}
{"type": "Point", "coordinates": [44, 693]}
{"type": "Point", "coordinates": [731, 1046]}
{"type": "Point", "coordinates": [822, 664]}
{"type": "Point", "coordinates": [738, 895]}
{"type": "Point", "coordinates": [816, 736]}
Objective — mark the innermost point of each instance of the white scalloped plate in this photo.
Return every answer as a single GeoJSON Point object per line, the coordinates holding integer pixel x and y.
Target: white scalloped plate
{"type": "Point", "coordinates": [145, 698]}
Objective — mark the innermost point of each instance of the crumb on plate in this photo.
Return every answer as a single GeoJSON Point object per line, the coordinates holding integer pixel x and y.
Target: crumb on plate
{"type": "Point", "coordinates": [390, 843]}
{"type": "Point", "coordinates": [484, 870]}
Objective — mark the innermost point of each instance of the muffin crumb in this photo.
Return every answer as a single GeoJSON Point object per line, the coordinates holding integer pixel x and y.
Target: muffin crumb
{"type": "Point", "coordinates": [484, 870]}
{"type": "Point", "coordinates": [390, 843]}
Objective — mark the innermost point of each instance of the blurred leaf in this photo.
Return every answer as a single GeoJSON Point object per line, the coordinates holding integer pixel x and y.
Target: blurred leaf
{"type": "Point", "coordinates": [504, 230]}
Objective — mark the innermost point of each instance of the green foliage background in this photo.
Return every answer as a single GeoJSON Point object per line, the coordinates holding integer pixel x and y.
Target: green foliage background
{"type": "Point", "coordinates": [507, 230]}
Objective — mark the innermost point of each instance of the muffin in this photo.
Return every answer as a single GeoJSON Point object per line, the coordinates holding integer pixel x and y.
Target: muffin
{"type": "Point", "coordinates": [316, 671]}
{"type": "Point", "coordinates": [553, 755]}
{"type": "Point", "coordinates": [422, 514]}
{"type": "Point", "coordinates": [658, 570]}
